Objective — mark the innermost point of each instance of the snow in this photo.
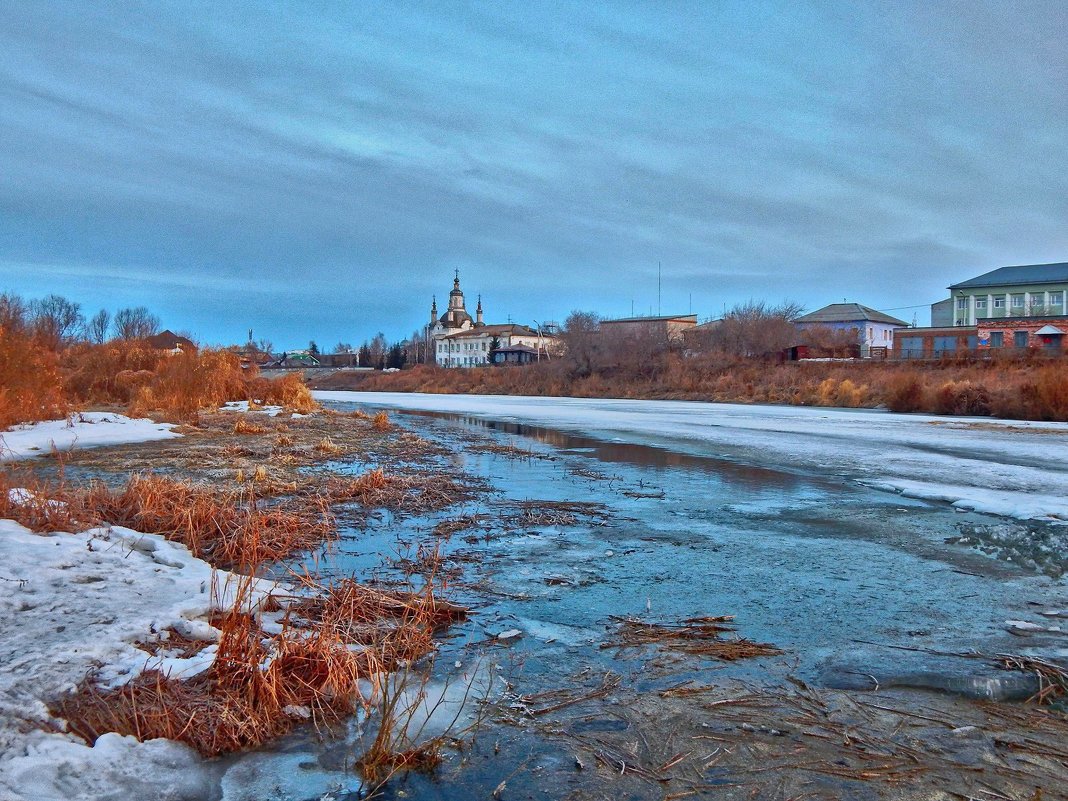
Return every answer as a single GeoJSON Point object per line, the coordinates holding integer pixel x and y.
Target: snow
{"type": "Point", "coordinates": [1010, 468]}
{"type": "Point", "coordinates": [83, 430]}
{"type": "Point", "coordinates": [243, 406]}
{"type": "Point", "coordinates": [73, 605]}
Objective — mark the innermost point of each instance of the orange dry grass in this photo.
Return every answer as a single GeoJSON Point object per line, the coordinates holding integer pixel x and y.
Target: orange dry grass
{"type": "Point", "coordinates": [226, 527]}
{"type": "Point", "coordinates": [420, 492]}
{"type": "Point", "coordinates": [289, 391]}
{"type": "Point", "coordinates": [243, 426]}
{"type": "Point", "coordinates": [31, 387]}
{"type": "Point", "coordinates": [261, 686]}
{"type": "Point", "coordinates": [381, 422]}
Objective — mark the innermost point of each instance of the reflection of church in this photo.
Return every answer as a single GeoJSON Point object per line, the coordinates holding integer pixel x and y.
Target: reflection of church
{"type": "Point", "coordinates": [458, 341]}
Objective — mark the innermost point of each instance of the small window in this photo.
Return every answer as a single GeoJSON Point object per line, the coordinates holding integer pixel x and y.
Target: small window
{"type": "Point", "coordinates": [1056, 298]}
{"type": "Point", "coordinates": [962, 303]}
{"type": "Point", "coordinates": [1019, 339]}
{"type": "Point", "coordinates": [1017, 301]}
{"type": "Point", "coordinates": [980, 303]}
{"type": "Point", "coordinates": [997, 339]}
{"type": "Point", "coordinates": [999, 301]}
{"type": "Point", "coordinates": [1036, 300]}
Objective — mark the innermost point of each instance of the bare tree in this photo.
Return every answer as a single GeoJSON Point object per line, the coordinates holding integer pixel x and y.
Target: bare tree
{"type": "Point", "coordinates": [377, 350]}
{"type": "Point", "coordinates": [756, 328]}
{"type": "Point", "coordinates": [56, 320]}
{"type": "Point", "coordinates": [96, 330]}
{"type": "Point", "coordinates": [581, 336]}
{"type": "Point", "coordinates": [14, 313]}
{"type": "Point", "coordinates": [135, 323]}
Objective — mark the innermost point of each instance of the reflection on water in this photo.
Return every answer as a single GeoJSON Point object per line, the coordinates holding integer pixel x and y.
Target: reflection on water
{"type": "Point", "coordinates": [726, 471]}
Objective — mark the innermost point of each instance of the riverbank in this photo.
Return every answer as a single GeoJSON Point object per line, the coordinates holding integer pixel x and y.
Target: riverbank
{"type": "Point", "coordinates": [1021, 389]}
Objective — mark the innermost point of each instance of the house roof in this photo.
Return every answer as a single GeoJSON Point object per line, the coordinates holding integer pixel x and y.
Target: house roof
{"type": "Point", "coordinates": [1019, 274]}
{"type": "Point", "coordinates": [517, 349]}
{"type": "Point", "coordinates": [512, 329]}
{"type": "Point", "coordinates": [849, 313]}
{"type": "Point", "coordinates": [168, 340]}
{"type": "Point", "coordinates": [1049, 330]}
{"type": "Point", "coordinates": [665, 318]}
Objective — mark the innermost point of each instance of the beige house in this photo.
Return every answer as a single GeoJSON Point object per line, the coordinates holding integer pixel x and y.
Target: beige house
{"type": "Point", "coordinates": [671, 327]}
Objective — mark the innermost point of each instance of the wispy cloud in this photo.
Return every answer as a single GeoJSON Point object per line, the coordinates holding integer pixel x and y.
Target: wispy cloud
{"type": "Point", "coordinates": [553, 153]}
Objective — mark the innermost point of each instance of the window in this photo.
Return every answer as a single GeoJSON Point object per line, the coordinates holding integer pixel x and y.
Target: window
{"type": "Point", "coordinates": [1019, 339]}
{"type": "Point", "coordinates": [997, 339]}
{"type": "Point", "coordinates": [999, 301]}
{"type": "Point", "coordinates": [1017, 301]}
{"type": "Point", "coordinates": [1056, 298]}
{"type": "Point", "coordinates": [962, 303]}
{"type": "Point", "coordinates": [980, 303]}
{"type": "Point", "coordinates": [1036, 300]}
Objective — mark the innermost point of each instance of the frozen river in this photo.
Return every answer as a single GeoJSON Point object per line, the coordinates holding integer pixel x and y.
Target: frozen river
{"type": "Point", "coordinates": [867, 546]}
{"type": "Point", "coordinates": [1012, 468]}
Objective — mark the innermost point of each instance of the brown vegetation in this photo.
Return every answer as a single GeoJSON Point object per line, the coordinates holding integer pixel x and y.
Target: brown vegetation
{"type": "Point", "coordinates": [261, 685]}
{"type": "Point", "coordinates": [45, 369]}
{"type": "Point", "coordinates": [697, 636]}
{"type": "Point", "coordinates": [1026, 390]}
{"type": "Point", "coordinates": [226, 527]}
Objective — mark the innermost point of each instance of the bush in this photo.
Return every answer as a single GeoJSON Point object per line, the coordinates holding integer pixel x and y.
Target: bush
{"type": "Point", "coordinates": [905, 393]}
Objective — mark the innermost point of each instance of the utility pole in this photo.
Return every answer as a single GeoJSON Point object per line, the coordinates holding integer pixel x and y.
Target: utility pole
{"type": "Point", "coordinates": [659, 310]}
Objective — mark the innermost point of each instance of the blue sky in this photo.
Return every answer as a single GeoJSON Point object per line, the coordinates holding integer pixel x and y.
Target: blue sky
{"type": "Point", "coordinates": [318, 171]}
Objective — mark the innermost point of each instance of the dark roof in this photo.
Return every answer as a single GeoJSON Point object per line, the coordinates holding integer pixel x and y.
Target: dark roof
{"type": "Point", "coordinates": [1020, 274]}
{"type": "Point", "coordinates": [664, 318]}
{"type": "Point", "coordinates": [516, 349]}
{"type": "Point", "coordinates": [490, 330]}
{"type": "Point", "coordinates": [168, 340]}
{"type": "Point", "coordinates": [848, 313]}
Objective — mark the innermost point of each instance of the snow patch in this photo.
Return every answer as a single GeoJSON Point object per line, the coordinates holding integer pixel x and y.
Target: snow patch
{"type": "Point", "coordinates": [83, 430]}
{"type": "Point", "coordinates": [73, 605]}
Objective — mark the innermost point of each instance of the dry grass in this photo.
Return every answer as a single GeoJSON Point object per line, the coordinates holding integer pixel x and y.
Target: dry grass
{"type": "Point", "coordinates": [31, 385]}
{"type": "Point", "coordinates": [245, 426]}
{"type": "Point", "coordinates": [697, 636]}
{"type": "Point", "coordinates": [261, 685]}
{"type": "Point", "coordinates": [226, 527]}
{"type": "Point", "coordinates": [381, 422]}
{"type": "Point", "coordinates": [412, 493]}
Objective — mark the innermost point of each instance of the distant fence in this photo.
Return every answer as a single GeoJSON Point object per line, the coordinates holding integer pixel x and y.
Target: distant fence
{"type": "Point", "coordinates": [976, 354]}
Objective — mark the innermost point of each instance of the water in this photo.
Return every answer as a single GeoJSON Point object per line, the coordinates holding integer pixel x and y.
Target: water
{"type": "Point", "coordinates": [857, 587]}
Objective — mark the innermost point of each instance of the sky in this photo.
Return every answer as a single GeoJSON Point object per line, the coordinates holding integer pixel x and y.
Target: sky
{"type": "Point", "coordinates": [319, 170]}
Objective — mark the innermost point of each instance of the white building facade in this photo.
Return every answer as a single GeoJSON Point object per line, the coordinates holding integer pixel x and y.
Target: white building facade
{"type": "Point", "coordinates": [458, 340]}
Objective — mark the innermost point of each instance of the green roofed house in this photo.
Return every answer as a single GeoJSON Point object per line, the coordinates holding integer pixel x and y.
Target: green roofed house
{"type": "Point", "coordinates": [1027, 290]}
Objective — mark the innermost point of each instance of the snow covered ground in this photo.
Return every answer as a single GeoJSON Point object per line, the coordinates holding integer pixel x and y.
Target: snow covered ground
{"type": "Point", "coordinates": [83, 430]}
{"type": "Point", "coordinates": [72, 604]}
{"type": "Point", "coordinates": [1004, 467]}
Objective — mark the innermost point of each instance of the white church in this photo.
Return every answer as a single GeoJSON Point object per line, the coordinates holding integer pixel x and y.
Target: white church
{"type": "Point", "coordinates": [458, 341]}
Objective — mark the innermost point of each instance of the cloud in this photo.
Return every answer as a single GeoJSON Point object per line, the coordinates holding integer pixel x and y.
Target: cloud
{"type": "Point", "coordinates": [554, 154]}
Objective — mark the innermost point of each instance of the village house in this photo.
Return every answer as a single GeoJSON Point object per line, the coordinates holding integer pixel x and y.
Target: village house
{"type": "Point", "coordinates": [670, 327]}
{"type": "Point", "coordinates": [170, 342]}
{"type": "Point", "coordinates": [874, 329]}
{"type": "Point", "coordinates": [458, 340]}
{"type": "Point", "coordinates": [1010, 309]}
{"type": "Point", "coordinates": [1028, 290]}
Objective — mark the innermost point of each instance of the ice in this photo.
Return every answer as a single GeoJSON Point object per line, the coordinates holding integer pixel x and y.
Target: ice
{"type": "Point", "coordinates": [1005, 467]}
{"type": "Point", "coordinates": [84, 430]}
